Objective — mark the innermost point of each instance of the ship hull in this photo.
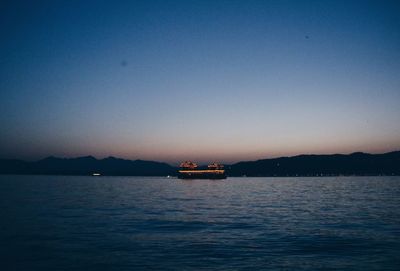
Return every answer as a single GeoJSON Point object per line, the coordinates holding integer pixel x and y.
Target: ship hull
{"type": "Point", "coordinates": [192, 174]}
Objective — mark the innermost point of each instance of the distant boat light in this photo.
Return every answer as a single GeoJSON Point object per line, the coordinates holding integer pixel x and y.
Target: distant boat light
{"type": "Point", "coordinates": [96, 174]}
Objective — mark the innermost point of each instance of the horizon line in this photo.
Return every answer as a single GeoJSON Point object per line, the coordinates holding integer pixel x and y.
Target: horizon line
{"type": "Point", "coordinates": [169, 163]}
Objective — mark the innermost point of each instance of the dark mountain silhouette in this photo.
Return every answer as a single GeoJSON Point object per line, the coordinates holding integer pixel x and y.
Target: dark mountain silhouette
{"type": "Point", "coordinates": [316, 165]}
{"type": "Point", "coordinates": [86, 166]}
{"type": "Point", "coordinates": [301, 165]}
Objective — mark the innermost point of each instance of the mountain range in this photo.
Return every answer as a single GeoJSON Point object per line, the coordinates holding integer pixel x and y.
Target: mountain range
{"type": "Point", "coordinates": [301, 165]}
{"type": "Point", "coordinates": [86, 166]}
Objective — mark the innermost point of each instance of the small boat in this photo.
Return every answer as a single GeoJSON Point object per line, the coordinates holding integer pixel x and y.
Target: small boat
{"type": "Point", "coordinates": [189, 170]}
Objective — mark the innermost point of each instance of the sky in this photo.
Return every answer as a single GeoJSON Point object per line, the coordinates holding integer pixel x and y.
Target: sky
{"type": "Point", "coordinates": [199, 80]}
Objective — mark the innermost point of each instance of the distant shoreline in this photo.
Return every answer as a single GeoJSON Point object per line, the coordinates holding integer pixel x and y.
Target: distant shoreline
{"type": "Point", "coordinates": [175, 177]}
{"type": "Point", "coordinates": [332, 165]}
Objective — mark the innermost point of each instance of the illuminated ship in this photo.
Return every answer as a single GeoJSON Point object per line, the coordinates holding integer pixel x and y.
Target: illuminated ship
{"type": "Point", "coordinates": [189, 171]}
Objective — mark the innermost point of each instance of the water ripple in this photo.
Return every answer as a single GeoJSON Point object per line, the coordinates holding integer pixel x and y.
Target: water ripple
{"type": "Point", "coordinates": [130, 223]}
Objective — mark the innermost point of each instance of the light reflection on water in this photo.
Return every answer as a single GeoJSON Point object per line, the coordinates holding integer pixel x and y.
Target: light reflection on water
{"type": "Point", "coordinates": [116, 223]}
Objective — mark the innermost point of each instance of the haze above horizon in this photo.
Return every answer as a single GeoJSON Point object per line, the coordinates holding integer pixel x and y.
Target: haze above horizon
{"type": "Point", "coordinates": [198, 80]}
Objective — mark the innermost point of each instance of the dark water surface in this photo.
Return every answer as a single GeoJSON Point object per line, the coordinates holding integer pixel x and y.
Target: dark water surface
{"type": "Point", "coordinates": [134, 223]}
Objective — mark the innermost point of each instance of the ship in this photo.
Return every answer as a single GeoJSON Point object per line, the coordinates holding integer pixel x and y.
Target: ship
{"type": "Point", "coordinates": [189, 170]}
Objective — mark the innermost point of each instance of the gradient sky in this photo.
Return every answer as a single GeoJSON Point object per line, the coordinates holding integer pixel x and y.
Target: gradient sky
{"type": "Point", "coordinates": [200, 80]}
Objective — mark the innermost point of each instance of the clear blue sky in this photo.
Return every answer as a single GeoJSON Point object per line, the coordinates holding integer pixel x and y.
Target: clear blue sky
{"type": "Point", "coordinates": [200, 80]}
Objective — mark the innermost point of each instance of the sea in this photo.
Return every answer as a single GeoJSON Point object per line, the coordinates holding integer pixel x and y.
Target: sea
{"type": "Point", "coordinates": [159, 223]}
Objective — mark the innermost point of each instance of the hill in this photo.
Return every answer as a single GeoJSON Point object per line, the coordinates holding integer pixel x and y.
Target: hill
{"type": "Point", "coordinates": [86, 166]}
{"type": "Point", "coordinates": [313, 165]}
